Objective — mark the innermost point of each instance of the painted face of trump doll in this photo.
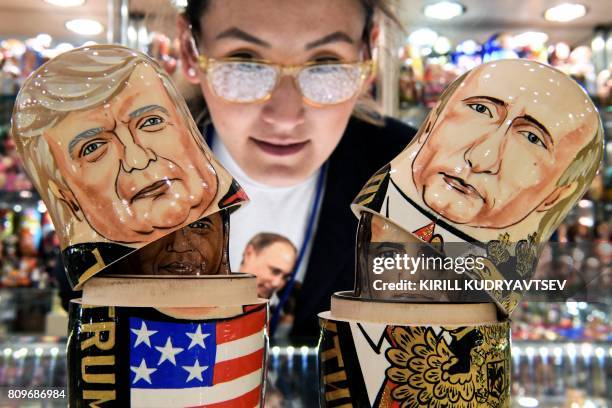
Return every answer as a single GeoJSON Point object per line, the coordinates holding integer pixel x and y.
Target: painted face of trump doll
{"type": "Point", "coordinates": [113, 151]}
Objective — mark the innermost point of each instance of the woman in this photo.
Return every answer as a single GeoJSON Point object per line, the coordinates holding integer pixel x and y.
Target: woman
{"type": "Point", "coordinates": [282, 80]}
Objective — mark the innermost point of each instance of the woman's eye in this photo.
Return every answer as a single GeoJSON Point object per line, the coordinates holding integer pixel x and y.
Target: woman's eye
{"type": "Point", "coordinates": [533, 138]}
{"type": "Point", "coordinates": [151, 121]}
{"type": "Point", "coordinates": [325, 59]}
{"type": "Point", "coordinates": [91, 148]}
{"type": "Point", "coordinates": [480, 108]}
{"type": "Point", "coordinates": [242, 55]}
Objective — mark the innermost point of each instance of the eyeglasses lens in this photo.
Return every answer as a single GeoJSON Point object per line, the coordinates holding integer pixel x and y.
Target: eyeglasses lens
{"type": "Point", "coordinates": [330, 84]}
{"type": "Point", "coordinates": [242, 81]}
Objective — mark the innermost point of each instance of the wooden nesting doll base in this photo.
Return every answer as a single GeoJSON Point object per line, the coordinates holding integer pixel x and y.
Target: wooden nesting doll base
{"type": "Point", "coordinates": [160, 342]}
{"type": "Point", "coordinates": [176, 291]}
{"type": "Point", "coordinates": [346, 307]}
{"type": "Point", "coordinates": [377, 354]}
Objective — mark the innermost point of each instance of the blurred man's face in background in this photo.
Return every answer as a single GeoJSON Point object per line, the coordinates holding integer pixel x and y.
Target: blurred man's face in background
{"type": "Point", "coordinates": [272, 265]}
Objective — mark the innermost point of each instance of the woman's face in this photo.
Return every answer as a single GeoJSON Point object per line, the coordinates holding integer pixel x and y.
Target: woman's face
{"type": "Point", "coordinates": [283, 140]}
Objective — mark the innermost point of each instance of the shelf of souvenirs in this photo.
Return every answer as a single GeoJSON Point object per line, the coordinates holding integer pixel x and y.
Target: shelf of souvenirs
{"type": "Point", "coordinates": [29, 246]}
{"type": "Point", "coordinates": [562, 322]}
{"type": "Point", "coordinates": [19, 58]}
{"type": "Point", "coordinates": [428, 68]}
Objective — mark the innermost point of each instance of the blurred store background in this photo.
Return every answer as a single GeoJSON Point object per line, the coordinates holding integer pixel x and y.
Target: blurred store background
{"type": "Point", "coordinates": [562, 351]}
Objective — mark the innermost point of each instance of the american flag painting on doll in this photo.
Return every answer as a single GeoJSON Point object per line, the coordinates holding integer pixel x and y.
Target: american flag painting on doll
{"type": "Point", "coordinates": [173, 363]}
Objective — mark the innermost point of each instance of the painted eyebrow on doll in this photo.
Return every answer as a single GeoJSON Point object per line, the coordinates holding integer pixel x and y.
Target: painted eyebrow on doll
{"type": "Point", "coordinates": [488, 98]}
{"type": "Point", "coordinates": [145, 109]}
{"type": "Point", "coordinates": [540, 126]}
{"type": "Point", "coordinates": [85, 135]}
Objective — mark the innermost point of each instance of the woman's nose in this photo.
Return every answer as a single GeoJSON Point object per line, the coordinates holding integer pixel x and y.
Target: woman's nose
{"type": "Point", "coordinates": [285, 108]}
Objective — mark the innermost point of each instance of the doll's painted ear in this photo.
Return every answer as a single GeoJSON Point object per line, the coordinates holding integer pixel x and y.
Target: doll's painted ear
{"type": "Point", "coordinates": [560, 193]}
{"type": "Point", "coordinates": [67, 197]}
{"type": "Point", "coordinates": [188, 50]}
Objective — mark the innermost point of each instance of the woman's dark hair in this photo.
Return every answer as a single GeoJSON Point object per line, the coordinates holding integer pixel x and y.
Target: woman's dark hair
{"type": "Point", "coordinates": [193, 12]}
{"type": "Point", "coordinates": [196, 8]}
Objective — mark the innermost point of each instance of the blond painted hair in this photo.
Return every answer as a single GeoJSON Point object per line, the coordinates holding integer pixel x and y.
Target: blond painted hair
{"type": "Point", "coordinates": [80, 79]}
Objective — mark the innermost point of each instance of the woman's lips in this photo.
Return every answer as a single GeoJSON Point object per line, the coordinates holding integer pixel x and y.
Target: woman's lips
{"type": "Point", "coordinates": [280, 149]}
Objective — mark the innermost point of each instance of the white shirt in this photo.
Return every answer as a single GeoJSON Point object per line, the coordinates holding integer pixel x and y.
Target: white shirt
{"type": "Point", "coordinates": [282, 210]}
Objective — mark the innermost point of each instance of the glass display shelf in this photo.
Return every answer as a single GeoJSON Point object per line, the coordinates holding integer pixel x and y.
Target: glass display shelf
{"type": "Point", "coordinates": [544, 374]}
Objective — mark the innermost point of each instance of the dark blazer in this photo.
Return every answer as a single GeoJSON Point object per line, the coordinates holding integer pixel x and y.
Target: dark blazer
{"type": "Point", "coordinates": [362, 151]}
